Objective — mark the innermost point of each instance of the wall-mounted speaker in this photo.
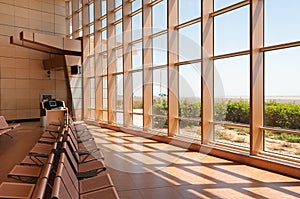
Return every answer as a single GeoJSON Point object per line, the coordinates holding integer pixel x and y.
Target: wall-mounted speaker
{"type": "Point", "coordinates": [75, 70]}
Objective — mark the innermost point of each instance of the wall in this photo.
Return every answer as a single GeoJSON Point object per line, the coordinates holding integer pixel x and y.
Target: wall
{"type": "Point", "coordinates": [22, 76]}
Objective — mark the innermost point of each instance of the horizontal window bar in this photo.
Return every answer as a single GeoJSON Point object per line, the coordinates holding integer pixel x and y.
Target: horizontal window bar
{"type": "Point", "coordinates": [280, 46]}
{"type": "Point", "coordinates": [229, 8]}
{"type": "Point", "coordinates": [280, 130]}
{"type": "Point", "coordinates": [230, 55]}
{"type": "Point", "coordinates": [230, 124]}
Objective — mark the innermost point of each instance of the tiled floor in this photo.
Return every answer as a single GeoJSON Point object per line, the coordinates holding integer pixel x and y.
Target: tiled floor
{"type": "Point", "coordinates": [145, 169]}
{"type": "Point", "coordinates": [13, 150]}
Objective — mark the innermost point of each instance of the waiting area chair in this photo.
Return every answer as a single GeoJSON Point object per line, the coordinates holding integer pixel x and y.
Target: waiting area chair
{"type": "Point", "coordinates": [5, 127]}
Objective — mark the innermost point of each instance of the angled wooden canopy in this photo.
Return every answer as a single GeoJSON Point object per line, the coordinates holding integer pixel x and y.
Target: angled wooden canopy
{"type": "Point", "coordinates": [47, 43]}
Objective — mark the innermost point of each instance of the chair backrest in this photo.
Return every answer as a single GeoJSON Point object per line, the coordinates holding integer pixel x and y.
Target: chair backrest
{"type": "Point", "coordinates": [70, 171]}
{"type": "Point", "coordinates": [73, 139]}
{"type": "Point", "coordinates": [67, 181]}
{"type": "Point", "coordinates": [40, 188]}
{"type": "Point", "coordinates": [73, 149]}
{"type": "Point", "coordinates": [59, 190]}
{"type": "Point", "coordinates": [70, 156]}
{"type": "Point", "coordinates": [3, 123]}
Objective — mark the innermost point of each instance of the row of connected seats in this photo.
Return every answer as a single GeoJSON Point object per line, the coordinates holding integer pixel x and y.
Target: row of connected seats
{"type": "Point", "coordinates": [77, 167]}
{"type": "Point", "coordinates": [33, 175]}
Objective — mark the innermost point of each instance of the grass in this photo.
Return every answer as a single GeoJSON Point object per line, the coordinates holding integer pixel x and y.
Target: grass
{"type": "Point", "coordinates": [292, 138]}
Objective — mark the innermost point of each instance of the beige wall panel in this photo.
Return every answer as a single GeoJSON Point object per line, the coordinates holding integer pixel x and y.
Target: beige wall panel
{"type": "Point", "coordinates": [21, 12]}
{"type": "Point", "coordinates": [7, 2]}
{"type": "Point", "coordinates": [7, 9]}
{"type": "Point", "coordinates": [22, 73]}
{"type": "Point", "coordinates": [49, 84]}
{"type": "Point", "coordinates": [6, 19]}
{"type": "Point", "coordinates": [35, 4]}
{"type": "Point", "coordinates": [6, 30]}
{"type": "Point", "coordinates": [21, 22]}
{"type": "Point", "coordinates": [23, 103]}
{"type": "Point", "coordinates": [46, 17]}
{"type": "Point", "coordinates": [48, 7]}
{"type": "Point", "coordinates": [47, 27]}
{"type": "Point", "coordinates": [35, 103]}
{"type": "Point", "coordinates": [60, 75]}
{"type": "Point", "coordinates": [60, 10]}
{"type": "Point", "coordinates": [7, 62]}
{"type": "Point", "coordinates": [8, 83]}
{"type": "Point", "coordinates": [61, 95]}
{"type": "Point", "coordinates": [4, 40]}
{"type": "Point", "coordinates": [23, 113]}
{"type": "Point", "coordinates": [61, 29]}
{"type": "Point", "coordinates": [7, 51]}
{"type": "Point", "coordinates": [22, 93]}
{"type": "Point", "coordinates": [37, 74]}
{"type": "Point", "coordinates": [60, 85]}
{"type": "Point", "coordinates": [35, 14]}
{"type": "Point", "coordinates": [35, 94]}
{"type": "Point", "coordinates": [8, 104]}
{"type": "Point", "coordinates": [35, 64]}
{"type": "Point", "coordinates": [24, 3]}
{"type": "Point", "coordinates": [34, 113]}
{"type": "Point", "coordinates": [8, 93]}
{"type": "Point", "coordinates": [22, 83]}
{"type": "Point", "coordinates": [22, 63]}
{"type": "Point", "coordinates": [8, 72]}
{"type": "Point", "coordinates": [60, 20]}
{"type": "Point", "coordinates": [35, 24]}
{"type": "Point", "coordinates": [21, 52]}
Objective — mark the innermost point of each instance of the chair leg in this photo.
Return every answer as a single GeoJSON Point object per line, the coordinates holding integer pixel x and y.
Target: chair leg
{"type": "Point", "coordinates": [8, 135]}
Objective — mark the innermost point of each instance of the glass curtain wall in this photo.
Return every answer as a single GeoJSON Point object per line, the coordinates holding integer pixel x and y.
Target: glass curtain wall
{"type": "Point", "coordinates": [224, 74]}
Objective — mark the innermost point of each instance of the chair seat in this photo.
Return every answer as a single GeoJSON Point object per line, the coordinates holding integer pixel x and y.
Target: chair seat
{"type": "Point", "coordinates": [16, 190]}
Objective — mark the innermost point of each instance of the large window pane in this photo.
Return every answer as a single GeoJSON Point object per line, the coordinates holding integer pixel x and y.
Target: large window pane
{"type": "Point", "coordinates": [159, 17]}
{"type": "Point", "coordinates": [103, 7]}
{"type": "Point", "coordinates": [231, 31]}
{"type": "Point", "coordinates": [92, 93]}
{"type": "Point", "coordinates": [104, 93]}
{"type": "Point", "coordinates": [281, 21]}
{"type": "Point", "coordinates": [189, 98]}
{"type": "Point", "coordinates": [160, 50]}
{"type": "Point", "coordinates": [160, 99]}
{"type": "Point", "coordinates": [104, 41]}
{"type": "Point", "coordinates": [118, 15]}
{"type": "Point", "coordinates": [118, 3]}
{"type": "Point", "coordinates": [137, 4]}
{"type": "Point", "coordinates": [189, 10]}
{"type": "Point", "coordinates": [119, 92]}
{"type": "Point", "coordinates": [118, 34]}
{"type": "Point", "coordinates": [137, 56]}
{"type": "Point", "coordinates": [231, 99]}
{"type": "Point", "coordinates": [91, 13]}
{"type": "Point", "coordinates": [137, 29]}
{"type": "Point", "coordinates": [137, 99]}
{"type": "Point", "coordinates": [103, 23]}
{"type": "Point", "coordinates": [120, 118]}
{"type": "Point", "coordinates": [79, 20]}
{"type": "Point", "coordinates": [190, 42]}
{"type": "Point", "coordinates": [282, 90]}
{"type": "Point", "coordinates": [119, 60]}
{"type": "Point", "coordinates": [137, 92]}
